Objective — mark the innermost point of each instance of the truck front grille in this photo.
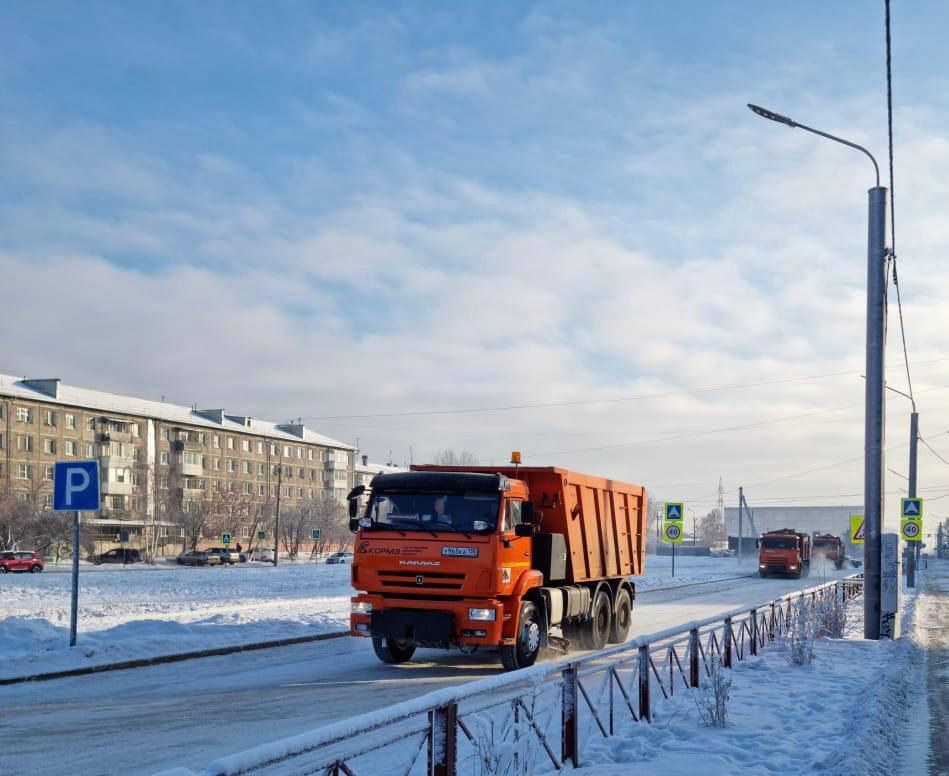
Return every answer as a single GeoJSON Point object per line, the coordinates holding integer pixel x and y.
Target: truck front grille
{"type": "Point", "coordinates": [432, 580]}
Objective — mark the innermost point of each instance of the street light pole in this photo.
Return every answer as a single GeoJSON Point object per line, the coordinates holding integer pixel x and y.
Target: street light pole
{"type": "Point", "coordinates": [874, 400]}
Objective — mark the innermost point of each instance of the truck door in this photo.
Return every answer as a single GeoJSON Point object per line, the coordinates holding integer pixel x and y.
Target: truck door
{"type": "Point", "coordinates": [516, 551]}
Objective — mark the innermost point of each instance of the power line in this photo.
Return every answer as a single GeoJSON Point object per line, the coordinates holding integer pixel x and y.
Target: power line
{"type": "Point", "coordinates": [930, 447]}
{"type": "Point", "coordinates": [889, 123]}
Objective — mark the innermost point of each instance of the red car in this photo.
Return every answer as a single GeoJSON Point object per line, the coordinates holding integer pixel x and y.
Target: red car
{"type": "Point", "coordinates": [20, 560]}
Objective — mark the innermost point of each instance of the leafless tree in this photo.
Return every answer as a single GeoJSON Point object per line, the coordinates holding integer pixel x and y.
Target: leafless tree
{"type": "Point", "coordinates": [332, 519]}
{"type": "Point", "coordinates": [711, 528]}
{"type": "Point", "coordinates": [452, 458]}
{"type": "Point", "coordinates": [295, 526]}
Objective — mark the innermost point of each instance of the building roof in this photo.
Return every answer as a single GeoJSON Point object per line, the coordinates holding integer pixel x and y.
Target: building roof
{"type": "Point", "coordinates": [69, 395]}
{"type": "Point", "coordinates": [377, 468]}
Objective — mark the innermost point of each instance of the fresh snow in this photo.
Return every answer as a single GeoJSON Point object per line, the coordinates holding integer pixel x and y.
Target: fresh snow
{"type": "Point", "coordinates": [143, 611]}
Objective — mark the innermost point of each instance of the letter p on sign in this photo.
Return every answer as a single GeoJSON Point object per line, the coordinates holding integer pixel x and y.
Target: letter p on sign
{"type": "Point", "coordinates": [76, 486]}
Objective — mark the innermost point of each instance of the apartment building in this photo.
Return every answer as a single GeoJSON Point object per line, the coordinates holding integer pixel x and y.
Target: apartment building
{"type": "Point", "coordinates": [155, 456]}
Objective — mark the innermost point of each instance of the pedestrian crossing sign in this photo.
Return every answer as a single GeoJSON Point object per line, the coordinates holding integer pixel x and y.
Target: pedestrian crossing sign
{"type": "Point", "coordinates": [674, 510]}
{"type": "Point", "coordinates": [912, 507]}
{"type": "Point", "coordinates": [856, 529]}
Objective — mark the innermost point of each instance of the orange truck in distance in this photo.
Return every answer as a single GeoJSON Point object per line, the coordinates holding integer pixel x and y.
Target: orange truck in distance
{"type": "Point", "coordinates": [784, 552]}
{"type": "Point", "coordinates": [495, 557]}
{"type": "Point", "coordinates": [830, 547]}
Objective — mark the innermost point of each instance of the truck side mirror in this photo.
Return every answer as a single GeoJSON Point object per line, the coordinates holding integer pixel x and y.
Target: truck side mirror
{"type": "Point", "coordinates": [526, 529]}
{"type": "Point", "coordinates": [354, 522]}
{"type": "Point", "coordinates": [353, 508]}
{"type": "Point", "coordinates": [356, 492]}
{"type": "Point", "coordinates": [527, 512]}
{"type": "Point", "coordinates": [756, 544]}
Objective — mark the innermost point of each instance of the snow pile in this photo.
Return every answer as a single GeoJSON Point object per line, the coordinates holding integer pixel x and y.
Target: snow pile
{"type": "Point", "coordinates": [126, 614]}
{"type": "Point", "coordinates": [691, 570]}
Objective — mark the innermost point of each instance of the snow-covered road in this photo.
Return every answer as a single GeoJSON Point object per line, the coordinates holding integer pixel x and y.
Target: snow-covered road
{"type": "Point", "coordinates": [192, 712]}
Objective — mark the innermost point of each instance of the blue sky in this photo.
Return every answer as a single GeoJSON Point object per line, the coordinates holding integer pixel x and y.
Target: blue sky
{"type": "Point", "coordinates": [327, 209]}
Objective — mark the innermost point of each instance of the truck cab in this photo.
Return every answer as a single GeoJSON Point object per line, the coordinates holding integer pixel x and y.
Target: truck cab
{"type": "Point", "coordinates": [831, 548]}
{"type": "Point", "coordinates": [784, 552]}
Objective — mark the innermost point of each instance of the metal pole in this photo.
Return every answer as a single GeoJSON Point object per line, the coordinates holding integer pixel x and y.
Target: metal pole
{"type": "Point", "coordinates": [276, 530]}
{"type": "Point", "coordinates": [875, 402]}
{"type": "Point", "coordinates": [74, 607]}
{"type": "Point", "coordinates": [673, 560]}
{"type": "Point", "coordinates": [741, 499]}
{"type": "Point", "coordinates": [913, 555]}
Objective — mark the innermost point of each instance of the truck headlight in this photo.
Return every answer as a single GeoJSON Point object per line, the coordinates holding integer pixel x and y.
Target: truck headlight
{"type": "Point", "coordinates": [488, 615]}
{"type": "Point", "coordinates": [762, 565]}
{"type": "Point", "coordinates": [793, 566]}
{"type": "Point", "coordinates": [361, 607]}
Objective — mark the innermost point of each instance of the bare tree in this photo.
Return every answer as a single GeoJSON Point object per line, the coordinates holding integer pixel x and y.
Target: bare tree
{"type": "Point", "coordinates": [192, 516]}
{"type": "Point", "coordinates": [231, 510]}
{"type": "Point", "coordinates": [452, 458]}
{"type": "Point", "coordinates": [295, 526]}
{"type": "Point", "coordinates": [711, 528]}
{"type": "Point", "coordinates": [332, 519]}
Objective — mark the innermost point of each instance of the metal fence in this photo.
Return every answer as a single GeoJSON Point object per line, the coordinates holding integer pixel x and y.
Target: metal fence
{"type": "Point", "coordinates": [538, 718]}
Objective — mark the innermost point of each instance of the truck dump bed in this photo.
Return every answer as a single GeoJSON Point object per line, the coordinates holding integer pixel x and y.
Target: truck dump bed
{"type": "Point", "coordinates": [602, 521]}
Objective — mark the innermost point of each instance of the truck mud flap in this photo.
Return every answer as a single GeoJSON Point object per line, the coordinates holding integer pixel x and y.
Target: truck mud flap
{"type": "Point", "coordinates": [420, 627]}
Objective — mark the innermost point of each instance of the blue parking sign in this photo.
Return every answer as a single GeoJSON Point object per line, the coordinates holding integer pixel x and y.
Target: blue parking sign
{"type": "Point", "coordinates": [261, 535]}
{"type": "Point", "coordinates": [76, 486]}
{"type": "Point", "coordinates": [316, 533]}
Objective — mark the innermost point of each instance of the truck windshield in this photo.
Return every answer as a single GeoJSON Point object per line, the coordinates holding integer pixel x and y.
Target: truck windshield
{"type": "Point", "coordinates": [779, 544]}
{"type": "Point", "coordinates": [830, 544]}
{"type": "Point", "coordinates": [429, 511]}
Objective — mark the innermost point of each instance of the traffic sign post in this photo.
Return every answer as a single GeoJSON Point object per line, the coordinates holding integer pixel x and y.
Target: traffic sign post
{"type": "Point", "coordinates": [226, 538]}
{"type": "Point", "coordinates": [75, 489]}
{"type": "Point", "coordinates": [674, 510]}
{"type": "Point", "coordinates": [912, 508]}
{"type": "Point", "coordinates": [911, 529]}
{"type": "Point", "coordinates": [316, 534]}
{"type": "Point", "coordinates": [261, 536]}
{"type": "Point", "coordinates": [672, 533]}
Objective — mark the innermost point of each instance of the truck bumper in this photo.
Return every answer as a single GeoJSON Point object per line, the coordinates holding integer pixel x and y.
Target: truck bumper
{"type": "Point", "coordinates": [427, 623]}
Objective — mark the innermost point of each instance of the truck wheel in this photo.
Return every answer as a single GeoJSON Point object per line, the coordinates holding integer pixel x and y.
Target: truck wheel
{"type": "Point", "coordinates": [622, 617]}
{"type": "Point", "coordinates": [392, 651]}
{"type": "Point", "coordinates": [524, 652]}
{"type": "Point", "coordinates": [596, 631]}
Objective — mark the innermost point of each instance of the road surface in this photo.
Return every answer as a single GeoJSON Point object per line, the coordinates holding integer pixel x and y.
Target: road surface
{"type": "Point", "coordinates": [143, 720]}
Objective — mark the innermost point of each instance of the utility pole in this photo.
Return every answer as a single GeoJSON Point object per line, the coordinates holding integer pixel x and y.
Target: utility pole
{"type": "Point", "coordinates": [741, 501]}
{"type": "Point", "coordinates": [875, 409]}
{"type": "Point", "coordinates": [276, 530]}
{"type": "Point", "coordinates": [912, 556]}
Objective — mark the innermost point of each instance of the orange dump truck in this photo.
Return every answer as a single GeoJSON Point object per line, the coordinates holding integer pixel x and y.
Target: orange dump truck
{"type": "Point", "coordinates": [784, 552]}
{"type": "Point", "coordinates": [487, 557]}
{"type": "Point", "coordinates": [830, 547]}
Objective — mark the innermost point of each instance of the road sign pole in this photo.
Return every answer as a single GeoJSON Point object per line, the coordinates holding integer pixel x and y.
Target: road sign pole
{"type": "Point", "coordinates": [74, 608]}
{"type": "Point", "coordinates": [912, 557]}
{"type": "Point", "coordinates": [874, 430]}
{"type": "Point", "coordinates": [673, 560]}
{"type": "Point", "coordinates": [741, 501]}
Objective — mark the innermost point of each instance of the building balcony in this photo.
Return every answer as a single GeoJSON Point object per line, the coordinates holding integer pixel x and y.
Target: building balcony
{"type": "Point", "coordinates": [116, 461]}
{"type": "Point", "coordinates": [189, 469]}
{"type": "Point", "coordinates": [114, 436]}
{"type": "Point", "coordinates": [117, 488]}
{"type": "Point", "coordinates": [179, 446]}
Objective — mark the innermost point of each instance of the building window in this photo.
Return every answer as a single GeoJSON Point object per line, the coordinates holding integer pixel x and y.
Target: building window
{"type": "Point", "coordinates": [311, 494]}
{"type": "Point", "coordinates": [300, 452]}
{"type": "Point", "coordinates": [135, 478]}
{"type": "Point", "coordinates": [119, 475]}
{"type": "Point", "coordinates": [49, 446]}
{"type": "Point", "coordinates": [69, 446]}
{"type": "Point", "coordinates": [245, 445]}
{"type": "Point", "coordinates": [261, 469]}
{"type": "Point", "coordinates": [24, 444]}
{"type": "Point", "coordinates": [340, 476]}
{"type": "Point", "coordinates": [91, 423]}
{"type": "Point", "coordinates": [217, 464]}
{"type": "Point", "coordinates": [24, 471]}
{"type": "Point", "coordinates": [50, 418]}
{"type": "Point", "coordinates": [273, 491]}
{"type": "Point", "coordinates": [2, 443]}
{"type": "Point", "coordinates": [216, 441]}
{"type": "Point", "coordinates": [287, 451]}
{"type": "Point", "coordinates": [231, 465]}
{"type": "Point", "coordinates": [230, 487]}
{"type": "Point", "coordinates": [301, 474]}
{"type": "Point", "coordinates": [136, 431]}
{"type": "Point", "coordinates": [261, 489]}
{"type": "Point", "coordinates": [163, 457]}
{"type": "Point", "coordinates": [247, 467]}
{"type": "Point", "coordinates": [193, 458]}
{"type": "Point", "coordinates": [246, 488]}
{"type": "Point", "coordinates": [90, 450]}
{"type": "Point", "coordinates": [273, 449]}
{"type": "Point", "coordinates": [165, 435]}
{"type": "Point", "coordinates": [48, 475]}
{"type": "Point", "coordinates": [70, 421]}
{"type": "Point", "coordinates": [322, 455]}
{"type": "Point", "coordinates": [230, 443]}
{"type": "Point", "coordinates": [289, 493]}
{"type": "Point", "coordinates": [309, 454]}
{"type": "Point", "coordinates": [202, 438]}
{"type": "Point", "coordinates": [260, 448]}
{"type": "Point", "coordinates": [300, 491]}
{"type": "Point", "coordinates": [163, 482]}
{"type": "Point", "coordinates": [24, 414]}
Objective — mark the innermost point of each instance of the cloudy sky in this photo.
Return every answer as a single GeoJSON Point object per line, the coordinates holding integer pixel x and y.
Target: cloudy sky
{"type": "Point", "coordinates": [400, 220]}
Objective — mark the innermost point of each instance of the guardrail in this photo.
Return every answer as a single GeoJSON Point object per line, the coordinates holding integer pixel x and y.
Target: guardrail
{"type": "Point", "coordinates": [504, 724]}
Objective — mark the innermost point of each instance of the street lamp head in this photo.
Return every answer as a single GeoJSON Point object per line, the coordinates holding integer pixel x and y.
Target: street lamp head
{"type": "Point", "coordinates": [771, 115]}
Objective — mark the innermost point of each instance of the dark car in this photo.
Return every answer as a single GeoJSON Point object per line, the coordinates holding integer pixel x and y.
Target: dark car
{"type": "Point", "coordinates": [225, 555]}
{"type": "Point", "coordinates": [198, 558]}
{"type": "Point", "coordinates": [118, 555]}
{"type": "Point", "coordinates": [21, 560]}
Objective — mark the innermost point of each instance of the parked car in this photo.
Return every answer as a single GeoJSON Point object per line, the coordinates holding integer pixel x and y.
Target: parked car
{"type": "Point", "coordinates": [340, 558]}
{"type": "Point", "coordinates": [225, 555]}
{"type": "Point", "coordinates": [21, 560]}
{"type": "Point", "coordinates": [118, 555]}
{"type": "Point", "coordinates": [262, 554]}
{"type": "Point", "coordinates": [198, 558]}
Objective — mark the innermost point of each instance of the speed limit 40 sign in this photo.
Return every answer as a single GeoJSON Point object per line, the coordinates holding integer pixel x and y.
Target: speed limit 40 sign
{"type": "Point", "coordinates": [911, 530]}
{"type": "Point", "coordinates": [672, 531]}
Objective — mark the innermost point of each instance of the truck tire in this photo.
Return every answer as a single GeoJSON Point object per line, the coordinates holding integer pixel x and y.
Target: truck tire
{"type": "Point", "coordinates": [622, 617]}
{"type": "Point", "coordinates": [524, 651]}
{"type": "Point", "coordinates": [392, 651]}
{"type": "Point", "coordinates": [596, 631]}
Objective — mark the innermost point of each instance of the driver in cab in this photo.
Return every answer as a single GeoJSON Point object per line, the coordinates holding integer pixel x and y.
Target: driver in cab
{"type": "Point", "coordinates": [438, 516]}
